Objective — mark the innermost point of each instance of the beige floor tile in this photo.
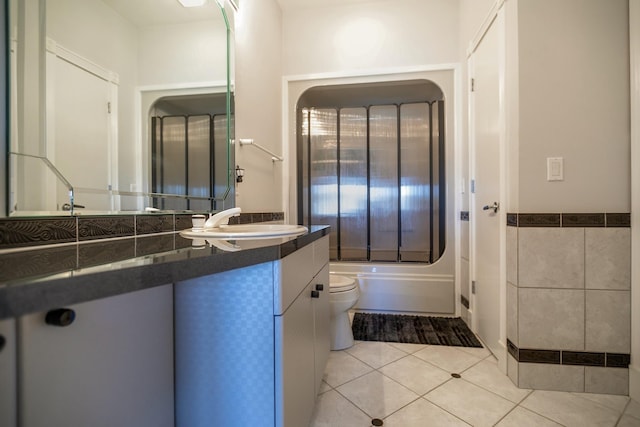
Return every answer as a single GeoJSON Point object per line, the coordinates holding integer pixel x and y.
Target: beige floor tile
{"type": "Point", "coordinates": [469, 402]}
{"type": "Point", "coordinates": [569, 409]}
{"type": "Point", "coordinates": [611, 401]}
{"type": "Point", "coordinates": [324, 387]}
{"type": "Point", "coordinates": [333, 410]}
{"type": "Point", "coordinates": [487, 375]}
{"type": "Point", "coordinates": [521, 417]}
{"type": "Point", "coordinates": [628, 421]}
{"type": "Point", "coordinates": [423, 413]}
{"type": "Point", "coordinates": [633, 409]}
{"type": "Point", "coordinates": [480, 353]}
{"type": "Point", "coordinates": [343, 367]}
{"type": "Point", "coordinates": [377, 395]}
{"type": "Point", "coordinates": [375, 354]}
{"type": "Point", "coordinates": [416, 374]}
{"type": "Point", "coordinates": [408, 348]}
{"type": "Point", "coordinates": [451, 359]}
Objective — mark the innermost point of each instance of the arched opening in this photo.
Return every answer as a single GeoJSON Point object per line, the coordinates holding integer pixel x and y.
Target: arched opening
{"type": "Point", "coordinates": [371, 163]}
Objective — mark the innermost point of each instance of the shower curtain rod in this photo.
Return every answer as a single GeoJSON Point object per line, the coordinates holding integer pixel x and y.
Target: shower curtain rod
{"type": "Point", "coordinates": [274, 157]}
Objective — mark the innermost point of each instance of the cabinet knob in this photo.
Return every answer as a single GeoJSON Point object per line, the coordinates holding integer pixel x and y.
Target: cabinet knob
{"type": "Point", "coordinates": [319, 287]}
{"type": "Point", "coordinates": [315, 294]}
{"type": "Point", "coordinates": [3, 341]}
{"type": "Point", "coordinates": [60, 317]}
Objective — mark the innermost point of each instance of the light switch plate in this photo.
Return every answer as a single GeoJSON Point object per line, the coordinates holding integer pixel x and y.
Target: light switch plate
{"type": "Point", "coordinates": [555, 169]}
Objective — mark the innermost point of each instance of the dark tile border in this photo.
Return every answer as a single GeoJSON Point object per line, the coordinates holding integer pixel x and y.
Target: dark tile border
{"type": "Point", "coordinates": [566, 357]}
{"type": "Point", "coordinates": [569, 220]}
{"type": "Point", "coordinates": [22, 232]}
{"type": "Point", "coordinates": [618, 220]}
{"type": "Point", "coordinates": [91, 228]}
{"type": "Point", "coordinates": [16, 233]}
{"type": "Point", "coordinates": [464, 301]}
{"type": "Point", "coordinates": [150, 224]}
{"type": "Point", "coordinates": [583, 358]}
{"type": "Point", "coordinates": [583, 220]}
{"type": "Point", "coordinates": [528, 355]}
{"type": "Point", "coordinates": [618, 360]}
{"type": "Point", "coordinates": [538, 220]}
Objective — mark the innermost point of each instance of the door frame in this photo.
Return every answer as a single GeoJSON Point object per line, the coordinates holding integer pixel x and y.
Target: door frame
{"type": "Point", "coordinates": [634, 49]}
{"type": "Point", "coordinates": [491, 20]}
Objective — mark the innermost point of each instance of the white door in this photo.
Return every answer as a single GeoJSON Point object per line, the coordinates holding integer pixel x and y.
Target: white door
{"type": "Point", "coordinates": [487, 212]}
{"type": "Point", "coordinates": [78, 134]}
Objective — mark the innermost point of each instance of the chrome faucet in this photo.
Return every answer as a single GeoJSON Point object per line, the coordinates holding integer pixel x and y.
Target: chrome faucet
{"type": "Point", "coordinates": [221, 218]}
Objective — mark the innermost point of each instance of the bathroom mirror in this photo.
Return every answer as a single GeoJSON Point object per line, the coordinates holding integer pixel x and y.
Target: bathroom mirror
{"type": "Point", "coordinates": [93, 82]}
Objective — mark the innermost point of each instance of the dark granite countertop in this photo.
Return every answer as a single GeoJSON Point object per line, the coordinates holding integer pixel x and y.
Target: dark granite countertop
{"type": "Point", "coordinates": [56, 276]}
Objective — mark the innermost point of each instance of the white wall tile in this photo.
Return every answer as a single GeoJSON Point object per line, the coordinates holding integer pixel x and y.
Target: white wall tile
{"type": "Point", "coordinates": [551, 257]}
{"type": "Point", "coordinates": [512, 313]}
{"type": "Point", "coordinates": [512, 255]}
{"type": "Point", "coordinates": [551, 319]}
{"type": "Point", "coordinates": [512, 369]}
{"type": "Point", "coordinates": [606, 380]}
{"type": "Point", "coordinates": [608, 258]}
{"type": "Point", "coordinates": [551, 377]}
{"type": "Point", "coordinates": [608, 321]}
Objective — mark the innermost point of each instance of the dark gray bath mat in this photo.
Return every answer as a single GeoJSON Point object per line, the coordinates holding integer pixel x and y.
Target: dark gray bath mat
{"type": "Point", "coordinates": [413, 329]}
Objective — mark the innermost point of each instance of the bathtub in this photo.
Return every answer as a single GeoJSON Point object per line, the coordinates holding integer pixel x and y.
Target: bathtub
{"type": "Point", "coordinates": [407, 288]}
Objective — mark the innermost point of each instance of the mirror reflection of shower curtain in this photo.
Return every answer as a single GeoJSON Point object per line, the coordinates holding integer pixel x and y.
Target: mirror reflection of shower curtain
{"type": "Point", "coordinates": [183, 156]}
{"type": "Point", "coordinates": [376, 175]}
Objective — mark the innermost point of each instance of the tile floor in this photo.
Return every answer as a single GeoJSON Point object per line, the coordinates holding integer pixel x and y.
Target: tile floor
{"type": "Point", "coordinates": [407, 385]}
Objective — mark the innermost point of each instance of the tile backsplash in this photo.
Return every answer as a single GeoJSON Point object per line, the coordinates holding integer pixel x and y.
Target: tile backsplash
{"type": "Point", "coordinates": [35, 231]}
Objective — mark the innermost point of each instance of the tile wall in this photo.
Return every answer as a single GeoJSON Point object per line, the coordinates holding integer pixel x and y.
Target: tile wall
{"type": "Point", "coordinates": [568, 301]}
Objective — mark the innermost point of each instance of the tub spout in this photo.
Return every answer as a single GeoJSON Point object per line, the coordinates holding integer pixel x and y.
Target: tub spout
{"type": "Point", "coordinates": [221, 218]}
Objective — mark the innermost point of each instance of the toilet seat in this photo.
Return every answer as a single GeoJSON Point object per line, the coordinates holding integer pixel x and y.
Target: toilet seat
{"type": "Point", "coordinates": [341, 283]}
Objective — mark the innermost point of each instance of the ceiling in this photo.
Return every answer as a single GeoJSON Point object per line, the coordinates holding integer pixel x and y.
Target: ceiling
{"type": "Point", "coordinates": [144, 13]}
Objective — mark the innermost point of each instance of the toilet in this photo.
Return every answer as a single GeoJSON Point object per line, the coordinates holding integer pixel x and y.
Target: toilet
{"type": "Point", "coordinates": [344, 293]}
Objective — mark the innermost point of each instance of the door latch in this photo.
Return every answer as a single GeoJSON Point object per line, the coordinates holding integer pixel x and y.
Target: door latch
{"type": "Point", "coordinates": [495, 206]}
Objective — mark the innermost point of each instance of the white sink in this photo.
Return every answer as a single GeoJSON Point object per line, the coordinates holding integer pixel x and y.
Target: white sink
{"type": "Point", "coordinates": [245, 231]}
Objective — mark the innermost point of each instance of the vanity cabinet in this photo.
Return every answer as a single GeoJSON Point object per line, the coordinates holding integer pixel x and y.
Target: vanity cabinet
{"type": "Point", "coordinates": [303, 335]}
{"type": "Point", "coordinates": [8, 374]}
{"type": "Point", "coordinates": [111, 365]}
{"type": "Point", "coordinates": [252, 343]}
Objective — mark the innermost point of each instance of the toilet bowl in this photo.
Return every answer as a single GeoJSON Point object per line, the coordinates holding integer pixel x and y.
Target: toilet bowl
{"type": "Point", "coordinates": [344, 293]}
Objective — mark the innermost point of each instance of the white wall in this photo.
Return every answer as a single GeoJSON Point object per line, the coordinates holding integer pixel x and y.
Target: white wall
{"type": "Point", "coordinates": [258, 75]}
{"type": "Point", "coordinates": [182, 53]}
{"type": "Point", "coordinates": [574, 103]}
{"type": "Point", "coordinates": [371, 35]}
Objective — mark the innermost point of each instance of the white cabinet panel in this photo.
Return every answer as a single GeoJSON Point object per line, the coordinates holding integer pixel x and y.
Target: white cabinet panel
{"type": "Point", "coordinates": [113, 366]}
{"type": "Point", "coordinates": [295, 378]}
{"type": "Point", "coordinates": [8, 388]}
{"type": "Point", "coordinates": [321, 325]}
